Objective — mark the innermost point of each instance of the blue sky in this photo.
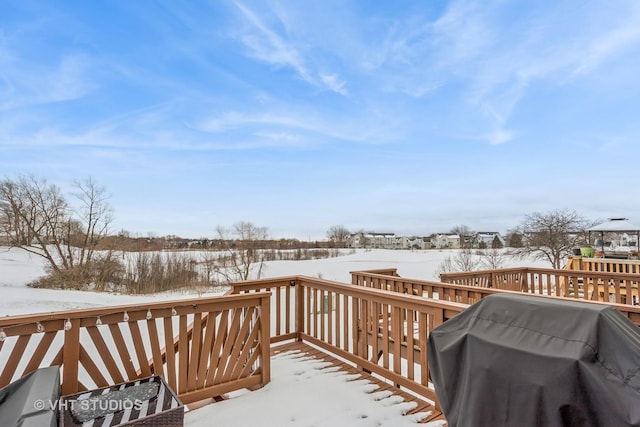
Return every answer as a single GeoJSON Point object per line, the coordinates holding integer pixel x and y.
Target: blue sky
{"type": "Point", "coordinates": [410, 117]}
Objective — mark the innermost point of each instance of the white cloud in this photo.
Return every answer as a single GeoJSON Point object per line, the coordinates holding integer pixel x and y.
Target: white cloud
{"type": "Point", "coordinates": [420, 91]}
{"type": "Point", "coordinates": [33, 84]}
{"type": "Point", "coordinates": [71, 80]}
{"type": "Point", "coordinates": [238, 120]}
{"type": "Point", "coordinates": [499, 136]}
{"type": "Point", "coordinates": [286, 137]}
{"type": "Point", "coordinates": [608, 44]}
{"type": "Point", "coordinates": [266, 45]}
{"type": "Point", "coordinates": [463, 32]}
{"type": "Point", "coordinates": [333, 82]}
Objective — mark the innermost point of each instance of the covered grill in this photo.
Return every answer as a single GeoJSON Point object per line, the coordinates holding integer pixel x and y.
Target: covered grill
{"type": "Point", "coordinates": [519, 360]}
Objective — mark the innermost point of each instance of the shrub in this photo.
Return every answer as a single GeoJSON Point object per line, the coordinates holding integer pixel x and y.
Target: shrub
{"type": "Point", "coordinates": [99, 274]}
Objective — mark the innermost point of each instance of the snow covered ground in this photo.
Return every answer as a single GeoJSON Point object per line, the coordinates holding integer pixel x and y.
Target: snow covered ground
{"type": "Point", "coordinates": [308, 392]}
{"type": "Point", "coordinates": [301, 391]}
{"type": "Point", "coordinates": [17, 268]}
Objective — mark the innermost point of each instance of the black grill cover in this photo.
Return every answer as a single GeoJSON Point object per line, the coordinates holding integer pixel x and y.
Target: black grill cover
{"type": "Point", "coordinates": [31, 401]}
{"type": "Point", "coordinates": [519, 360]}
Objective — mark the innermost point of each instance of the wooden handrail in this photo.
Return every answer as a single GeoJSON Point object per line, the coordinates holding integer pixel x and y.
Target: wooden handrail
{"type": "Point", "coordinates": [605, 265]}
{"type": "Point", "coordinates": [384, 271]}
{"type": "Point", "coordinates": [620, 288]}
{"type": "Point", "coordinates": [225, 347]}
{"type": "Point", "coordinates": [471, 294]}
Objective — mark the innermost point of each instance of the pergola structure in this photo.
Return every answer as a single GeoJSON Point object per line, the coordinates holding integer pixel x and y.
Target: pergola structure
{"type": "Point", "coordinates": [615, 225]}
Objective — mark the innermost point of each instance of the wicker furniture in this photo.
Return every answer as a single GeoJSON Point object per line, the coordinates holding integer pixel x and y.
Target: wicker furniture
{"type": "Point", "coordinates": [144, 402]}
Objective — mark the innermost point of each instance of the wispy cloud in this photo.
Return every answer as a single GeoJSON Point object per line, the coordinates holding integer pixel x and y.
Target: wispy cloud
{"type": "Point", "coordinates": [499, 136]}
{"type": "Point", "coordinates": [27, 84]}
{"type": "Point", "coordinates": [319, 127]}
{"type": "Point", "coordinates": [265, 44]}
{"type": "Point", "coordinates": [235, 120]}
{"type": "Point", "coordinates": [611, 42]}
{"type": "Point", "coordinates": [334, 83]}
{"type": "Point", "coordinates": [71, 80]}
{"type": "Point", "coordinates": [268, 46]}
{"type": "Point", "coordinates": [401, 43]}
{"type": "Point", "coordinates": [422, 90]}
{"type": "Point", "coordinates": [463, 32]}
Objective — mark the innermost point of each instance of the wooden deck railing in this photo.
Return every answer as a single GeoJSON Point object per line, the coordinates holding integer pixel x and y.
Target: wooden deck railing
{"type": "Point", "coordinates": [380, 331]}
{"type": "Point", "coordinates": [423, 288]}
{"type": "Point", "coordinates": [470, 294]}
{"type": "Point", "coordinates": [604, 265]}
{"type": "Point", "coordinates": [620, 288]}
{"type": "Point", "coordinates": [203, 347]}
{"type": "Point", "coordinates": [211, 346]}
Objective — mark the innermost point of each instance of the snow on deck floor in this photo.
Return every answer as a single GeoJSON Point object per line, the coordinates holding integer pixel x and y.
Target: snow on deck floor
{"type": "Point", "coordinates": [305, 391]}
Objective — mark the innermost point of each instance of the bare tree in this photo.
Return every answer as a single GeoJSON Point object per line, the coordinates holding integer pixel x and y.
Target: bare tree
{"type": "Point", "coordinates": [94, 216]}
{"type": "Point", "coordinates": [466, 235]}
{"type": "Point", "coordinates": [243, 258]}
{"type": "Point", "coordinates": [34, 217]}
{"type": "Point", "coordinates": [492, 259]}
{"type": "Point", "coordinates": [209, 261]}
{"type": "Point", "coordinates": [463, 261]}
{"type": "Point", "coordinates": [551, 235]}
{"type": "Point", "coordinates": [338, 234]}
{"type": "Point", "coordinates": [38, 218]}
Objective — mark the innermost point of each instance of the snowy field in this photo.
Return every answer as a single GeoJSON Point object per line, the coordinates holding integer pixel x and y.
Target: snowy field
{"type": "Point", "coordinates": [301, 391]}
{"type": "Point", "coordinates": [17, 268]}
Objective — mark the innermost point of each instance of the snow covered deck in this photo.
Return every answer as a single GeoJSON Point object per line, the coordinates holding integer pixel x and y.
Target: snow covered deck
{"type": "Point", "coordinates": [418, 406]}
{"type": "Point", "coordinates": [311, 387]}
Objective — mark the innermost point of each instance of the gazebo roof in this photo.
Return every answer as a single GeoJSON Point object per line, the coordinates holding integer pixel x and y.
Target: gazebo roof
{"type": "Point", "coordinates": [616, 224]}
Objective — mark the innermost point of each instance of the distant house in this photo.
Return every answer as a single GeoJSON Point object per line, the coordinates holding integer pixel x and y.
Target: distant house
{"type": "Point", "coordinates": [415, 242]}
{"type": "Point", "coordinates": [400, 242]}
{"type": "Point", "coordinates": [446, 241]}
{"type": "Point", "coordinates": [382, 240]}
{"type": "Point", "coordinates": [486, 239]}
{"type": "Point", "coordinates": [376, 240]}
{"type": "Point", "coordinates": [357, 240]}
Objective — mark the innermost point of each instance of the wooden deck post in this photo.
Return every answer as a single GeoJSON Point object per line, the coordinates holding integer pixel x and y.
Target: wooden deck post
{"type": "Point", "coordinates": [265, 332]}
{"type": "Point", "coordinates": [299, 307]}
{"type": "Point", "coordinates": [71, 357]}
